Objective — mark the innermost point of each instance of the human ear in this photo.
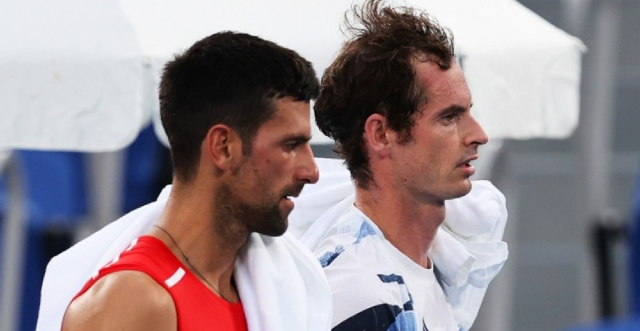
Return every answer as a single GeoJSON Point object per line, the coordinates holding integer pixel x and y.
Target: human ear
{"type": "Point", "coordinates": [376, 133]}
{"type": "Point", "coordinates": [222, 146]}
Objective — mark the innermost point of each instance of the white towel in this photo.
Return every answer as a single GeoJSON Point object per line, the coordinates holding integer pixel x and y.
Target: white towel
{"type": "Point", "coordinates": [281, 284]}
{"type": "Point", "coordinates": [468, 250]}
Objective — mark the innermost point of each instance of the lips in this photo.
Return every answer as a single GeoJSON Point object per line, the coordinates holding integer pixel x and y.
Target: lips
{"type": "Point", "coordinates": [465, 165]}
{"type": "Point", "coordinates": [466, 162]}
{"type": "Point", "coordinates": [293, 192]}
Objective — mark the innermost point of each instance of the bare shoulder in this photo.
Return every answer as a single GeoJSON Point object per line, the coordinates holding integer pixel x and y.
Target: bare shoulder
{"type": "Point", "coordinates": [124, 300]}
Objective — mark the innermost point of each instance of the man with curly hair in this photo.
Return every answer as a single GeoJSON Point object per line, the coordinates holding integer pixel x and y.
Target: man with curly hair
{"type": "Point", "coordinates": [398, 106]}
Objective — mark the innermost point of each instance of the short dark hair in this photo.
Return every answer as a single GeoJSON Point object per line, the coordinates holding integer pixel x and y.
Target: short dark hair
{"type": "Point", "coordinates": [229, 78]}
{"type": "Point", "coordinates": [374, 73]}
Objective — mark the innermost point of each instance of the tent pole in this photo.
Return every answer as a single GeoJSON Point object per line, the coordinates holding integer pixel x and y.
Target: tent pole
{"type": "Point", "coordinates": [14, 234]}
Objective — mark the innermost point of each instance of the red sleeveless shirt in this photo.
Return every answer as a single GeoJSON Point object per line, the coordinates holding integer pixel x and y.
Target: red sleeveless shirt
{"type": "Point", "coordinates": [197, 308]}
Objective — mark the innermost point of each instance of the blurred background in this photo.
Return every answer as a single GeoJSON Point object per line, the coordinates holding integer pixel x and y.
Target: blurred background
{"type": "Point", "coordinates": [573, 202]}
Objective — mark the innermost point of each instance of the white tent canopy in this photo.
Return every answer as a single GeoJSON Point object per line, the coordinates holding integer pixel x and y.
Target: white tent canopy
{"type": "Point", "coordinates": [83, 75]}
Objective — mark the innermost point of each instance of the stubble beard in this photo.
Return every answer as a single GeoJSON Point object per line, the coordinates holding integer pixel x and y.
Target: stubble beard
{"type": "Point", "coordinates": [440, 193]}
{"type": "Point", "coordinates": [264, 217]}
{"type": "Point", "coordinates": [458, 190]}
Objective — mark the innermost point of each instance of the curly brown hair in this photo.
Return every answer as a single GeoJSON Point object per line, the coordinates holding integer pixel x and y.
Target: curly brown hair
{"type": "Point", "coordinates": [374, 73]}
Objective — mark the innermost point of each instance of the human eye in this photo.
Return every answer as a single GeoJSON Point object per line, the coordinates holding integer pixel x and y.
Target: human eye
{"type": "Point", "coordinates": [450, 118]}
{"type": "Point", "coordinates": [294, 144]}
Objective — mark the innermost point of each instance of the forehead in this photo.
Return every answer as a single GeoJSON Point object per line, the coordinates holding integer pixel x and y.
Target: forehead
{"type": "Point", "coordinates": [447, 86]}
{"type": "Point", "coordinates": [290, 117]}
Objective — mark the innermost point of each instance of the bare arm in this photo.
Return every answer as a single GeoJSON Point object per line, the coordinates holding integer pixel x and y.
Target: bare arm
{"type": "Point", "coordinates": [125, 300]}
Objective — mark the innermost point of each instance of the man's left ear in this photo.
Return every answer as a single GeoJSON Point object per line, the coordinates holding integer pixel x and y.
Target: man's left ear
{"type": "Point", "coordinates": [376, 134]}
{"type": "Point", "coordinates": [222, 146]}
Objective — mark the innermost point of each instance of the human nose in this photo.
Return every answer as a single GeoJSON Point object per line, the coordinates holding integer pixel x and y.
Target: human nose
{"type": "Point", "coordinates": [476, 134]}
{"type": "Point", "coordinates": [308, 170]}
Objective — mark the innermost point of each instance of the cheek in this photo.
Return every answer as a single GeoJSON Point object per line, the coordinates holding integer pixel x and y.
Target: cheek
{"type": "Point", "coordinates": [433, 158]}
{"type": "Point", "coordinates": [275, 170]}
{"type": "Point", "coordinates": [444, 146]}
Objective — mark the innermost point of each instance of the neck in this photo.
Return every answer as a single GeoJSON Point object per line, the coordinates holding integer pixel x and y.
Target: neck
{"type": "Point", "coordinates": [189, 219]}
{"type": "Point", "coordinates": [409, 225]}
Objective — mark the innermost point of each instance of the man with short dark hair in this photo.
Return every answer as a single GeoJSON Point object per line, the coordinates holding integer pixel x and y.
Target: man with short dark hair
{"type": "Point", "coordinates": [398, 106]}
{"type": "Point", "coordinates": [236, 111]}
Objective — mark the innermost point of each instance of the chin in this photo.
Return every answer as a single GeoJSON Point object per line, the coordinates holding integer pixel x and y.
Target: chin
{"type": "Point", "coordinates": [468, 185]}
{"type": "Point", "coordinates": [275, 226]}
{"type": "Point", "coordinates": [274, 230]}
{"type": "Point", "coordinates": [466, 188]}
{"type": "Point", "coordinates": [460, 190]}
{"type": "Point", "coordinates": [269, 221]}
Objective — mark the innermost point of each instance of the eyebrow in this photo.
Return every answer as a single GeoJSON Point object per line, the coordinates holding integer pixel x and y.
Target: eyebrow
{"type": "Point", "coordinates": [298, 137]}
{"type": "Point", "coordinates": [455, 109]}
